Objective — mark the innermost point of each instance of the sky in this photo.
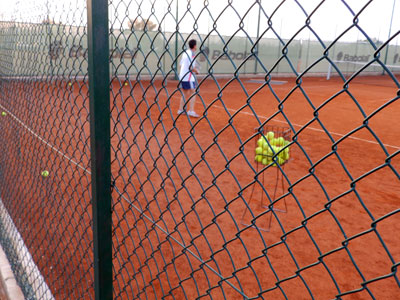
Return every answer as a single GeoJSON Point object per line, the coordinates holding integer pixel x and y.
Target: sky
{"type": "Point", "coordinates": [228, 16]}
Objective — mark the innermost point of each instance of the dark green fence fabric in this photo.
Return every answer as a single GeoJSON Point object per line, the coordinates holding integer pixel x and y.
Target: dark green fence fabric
{"type": "Point", "coordinates": [46, 216]}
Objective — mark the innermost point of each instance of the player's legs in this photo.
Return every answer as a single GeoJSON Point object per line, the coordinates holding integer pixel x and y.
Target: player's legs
{"type": "Point", "coordinates": [186, 94]}
{"type": "Point", "coordinates": [192, 102]}
{"type": "Point", "coordinates": [188, 91]}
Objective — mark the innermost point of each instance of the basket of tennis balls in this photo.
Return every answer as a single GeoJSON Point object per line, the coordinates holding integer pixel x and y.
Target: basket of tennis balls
{"type": "Point", "coordinates": [273, 141]}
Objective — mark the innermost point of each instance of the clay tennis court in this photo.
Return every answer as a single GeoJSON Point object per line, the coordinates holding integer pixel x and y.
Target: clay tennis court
{"type": "Point", "coordinates": [182, 186]}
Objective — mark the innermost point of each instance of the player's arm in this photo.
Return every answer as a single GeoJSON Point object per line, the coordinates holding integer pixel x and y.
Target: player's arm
{"type": "Point", "coordinates": [195, 67]}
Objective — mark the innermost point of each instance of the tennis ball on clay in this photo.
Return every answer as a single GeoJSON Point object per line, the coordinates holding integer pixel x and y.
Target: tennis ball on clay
{"type": "Point", "coordinates": [45, 173]}
{"type": "Point", "coordinates": [270, 135]}
{"type": "Point", "coordinates": [3, 113]}
{"type": "Point", "coordinates": [265, 152]}
{"type": "Point", "coordinates": [265, 161]}
{"type": "Point", "coordinates": [126, 83]}
{"type": "Point", "coordinates": [259, 150]}
{"type": "Point", "coordinates": [258, 158]}
{"type": "Point", "coordinates": [69, 83]}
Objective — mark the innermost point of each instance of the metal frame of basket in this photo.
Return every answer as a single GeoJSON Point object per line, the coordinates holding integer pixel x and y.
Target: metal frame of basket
{"type": "Point", "coordinates": [278, 131]}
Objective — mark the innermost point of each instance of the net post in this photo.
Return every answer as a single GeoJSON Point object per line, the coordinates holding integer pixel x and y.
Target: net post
{"type": "Point", "coordinates": [390, 33]}
{"type": "Point", "coordinates": [99, 98]}
{"type": "Point", "coordinates": [328, 75]}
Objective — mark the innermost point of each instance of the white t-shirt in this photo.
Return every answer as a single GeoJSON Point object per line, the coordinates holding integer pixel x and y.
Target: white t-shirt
{"type": "Point", "coordinates": [186, 60]}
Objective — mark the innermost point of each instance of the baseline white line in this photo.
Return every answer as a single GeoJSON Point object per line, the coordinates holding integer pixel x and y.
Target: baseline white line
{"type": "Point", "coordinates": [309, 127]}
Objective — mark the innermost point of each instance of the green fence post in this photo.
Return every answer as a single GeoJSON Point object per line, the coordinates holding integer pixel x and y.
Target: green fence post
{"type": "Point", "coordinates": [176, 43]}
{"type": "Point", "coordinates": [99, 95]}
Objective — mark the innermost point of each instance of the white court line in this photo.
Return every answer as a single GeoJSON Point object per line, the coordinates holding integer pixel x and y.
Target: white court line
{"type": "Point", "coordinates": [44, 141]}
{"type": "Point", "coordinates": [35, 278]}
{"type": "Point", "coordinates": [309, 127]}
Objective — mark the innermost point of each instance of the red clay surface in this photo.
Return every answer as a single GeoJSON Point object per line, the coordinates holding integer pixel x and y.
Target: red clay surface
{"type": "Point", "coordinates": [193, 178]}
{"type": "Point", "coordinates": [52, 214]}
{"type": "Point", "coordinates": [181, 187]}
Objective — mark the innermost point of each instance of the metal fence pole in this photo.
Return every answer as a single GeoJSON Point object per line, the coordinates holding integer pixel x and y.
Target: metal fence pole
{"type": "Point", "coordinates": [390, 33]}
{"type": "Point", "coordinates": [176, 42]}
{"type": "Point", "coordinates": [258, 36]}
{"type": "Point", "coordinates": [99, 97]}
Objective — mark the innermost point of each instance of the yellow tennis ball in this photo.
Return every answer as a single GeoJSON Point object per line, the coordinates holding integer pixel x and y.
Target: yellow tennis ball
{"type": "Point", "coordinates": [270, 135]}
{"type": "Point", "coordinates": [278, 149]}
{"type": "Point", "coordinates": [282, 155]}
{"type": "Point", "coordinates": [278, 160]}
{"type": "Point", "coordinates": [270, 151]}
{"type": "Point", "coordinates": [260, 142]}
{"type": "Point", "coordinates": [45, 173]}
{"type": "Point", "coordinates": [265, 161]}
{"type": "Point", "coordinates": [259, 150]}
{"type": "Point", "coordinates": [69, 83]}
{"type": "Point", "coordinates": [280, 141]}
{"type": "Point", "coordinates": [3, 113]}
{"type": "Point", "coordinates": [126, 83]}
{"type": "Point", "coordinates": [274, 150]}
{"type": "Point", "coordinates": [286, 152]}
{"type": "Point", "coordinates": [258, 158]}
{"type": "Point", "coordinates": [265, 144]}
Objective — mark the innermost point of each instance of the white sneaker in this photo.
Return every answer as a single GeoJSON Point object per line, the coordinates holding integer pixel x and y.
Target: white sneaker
{"type": "Point", "coordinates": [181, 112]}
{"type": "Point", "coordinates": [193, 114]}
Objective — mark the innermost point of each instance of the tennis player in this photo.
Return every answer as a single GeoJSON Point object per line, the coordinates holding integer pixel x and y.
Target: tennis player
{"type": "Point", "coordinates": [188, 80]}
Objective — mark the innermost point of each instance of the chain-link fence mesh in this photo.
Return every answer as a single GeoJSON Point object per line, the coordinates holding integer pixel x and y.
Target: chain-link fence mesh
{"type": "Point", "coordinates": [45, 210]}
{"type": "Point", "coordinates": [286, 185]}
{"type": "Point", "coordinates": [185, 186]}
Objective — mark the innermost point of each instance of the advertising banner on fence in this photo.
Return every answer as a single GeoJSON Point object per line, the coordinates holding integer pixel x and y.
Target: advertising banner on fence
{"type": "Point", "coordinates": [135, 53]}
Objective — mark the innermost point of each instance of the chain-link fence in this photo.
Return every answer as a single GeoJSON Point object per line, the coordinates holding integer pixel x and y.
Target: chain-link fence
{"type": "Point", "coordinates": [45, 209]}
{"type": "Point", "coordinates": [274, 176]}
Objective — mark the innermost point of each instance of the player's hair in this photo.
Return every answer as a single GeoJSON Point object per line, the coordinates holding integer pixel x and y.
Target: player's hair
{"type": "Point", "coordinates": [192, 43]}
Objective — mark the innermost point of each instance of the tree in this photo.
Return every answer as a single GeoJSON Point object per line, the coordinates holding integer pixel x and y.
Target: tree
{"type": "Point", "coordinates": [48, 21]}
{"type": "Point", "coordinates": [141, 25]}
